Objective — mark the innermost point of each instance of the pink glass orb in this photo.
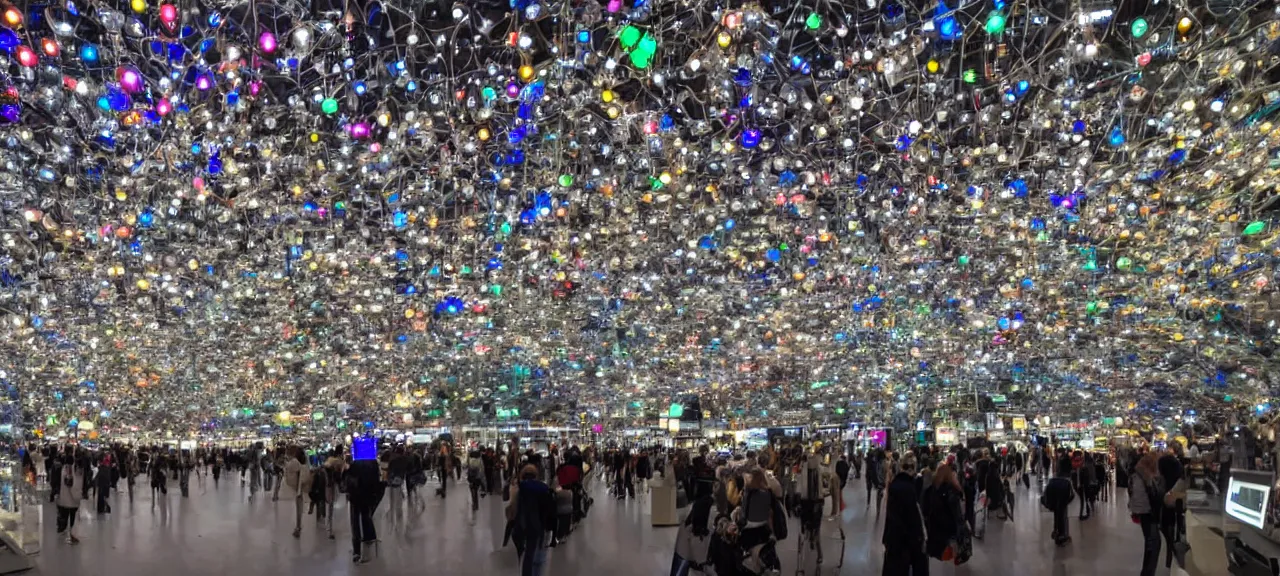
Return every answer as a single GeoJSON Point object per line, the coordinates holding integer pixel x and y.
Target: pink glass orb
{"type": "Point", "coordinates": [204, 82]}
{"type": "Point", "coordinates": [130, 79]}
{"type": "Point", "coordinates": [267, 42]}
{"type": "Point", "coordinates": [359, 130]}
{"type": "Point", "coordinates": [168, 13]}
{"type": "Point", "coordinates": [163, 107]}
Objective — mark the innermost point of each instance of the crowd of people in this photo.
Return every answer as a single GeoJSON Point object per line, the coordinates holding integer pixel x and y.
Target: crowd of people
{"type": "Point", "coordinates": [934, 501]}
{"type": "Point", "coordinates": [546, 495]}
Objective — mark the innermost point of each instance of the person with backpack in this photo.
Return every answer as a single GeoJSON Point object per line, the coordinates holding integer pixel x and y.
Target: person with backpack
{"type": "Point", "coordinates": [1057, 497]}
{"type": "Point", "coordinates": [475, 477]}
{"type": "Point", "coordinates": [1145, 507]}
{"type": "Point", "coordinates": [815, 482]}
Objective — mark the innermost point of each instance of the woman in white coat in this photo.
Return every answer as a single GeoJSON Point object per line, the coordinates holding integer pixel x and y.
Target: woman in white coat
{"type": "Point", "coordinates": [297, 483]}
{"type": "Point", "coordinates": [70, 493]}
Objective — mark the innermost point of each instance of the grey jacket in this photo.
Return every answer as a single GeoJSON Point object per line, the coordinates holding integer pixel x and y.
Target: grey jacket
{"type": "Point", "coordinates": [1139, 488]}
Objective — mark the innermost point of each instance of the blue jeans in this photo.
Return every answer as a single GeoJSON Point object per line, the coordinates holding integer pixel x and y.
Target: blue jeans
{"type": "Point", "coordinates": [534, 557]}
{"type": "Point", "coordinates": [679, 566]}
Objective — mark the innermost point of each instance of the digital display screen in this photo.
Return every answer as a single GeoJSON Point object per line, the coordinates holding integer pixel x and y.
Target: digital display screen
{"type": "Point", "coordinates": [365, 448]}
{"type": "Point", "coordinates": [878, 436]}
{"type": "Point", "coordinates": [1246, 501]}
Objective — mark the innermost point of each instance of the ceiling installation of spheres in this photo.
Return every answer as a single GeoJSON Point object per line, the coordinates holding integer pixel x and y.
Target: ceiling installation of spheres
{"type": "Point", "coordinates": [217, 212]}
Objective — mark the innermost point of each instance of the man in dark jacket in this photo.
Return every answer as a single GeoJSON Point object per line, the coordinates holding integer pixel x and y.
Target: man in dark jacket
{"type": "Point", "coordinates": [842, 470]}
{"type": "Point", "coordinates": [534, 513]}
{"type": "Point", "coordinates": [904, 536]}
{"type": "Point", "coordinates": [365, 490]}
{"type": "Point", "coordinates": [1057, 497]}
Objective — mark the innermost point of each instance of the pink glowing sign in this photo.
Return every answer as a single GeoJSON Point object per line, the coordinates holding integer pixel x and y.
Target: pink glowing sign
{"type": "Point", "coordinates": [877, 436]}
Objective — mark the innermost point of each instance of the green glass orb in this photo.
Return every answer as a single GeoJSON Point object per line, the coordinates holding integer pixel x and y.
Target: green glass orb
{"type": "Point", "coordinates": [329, 106]}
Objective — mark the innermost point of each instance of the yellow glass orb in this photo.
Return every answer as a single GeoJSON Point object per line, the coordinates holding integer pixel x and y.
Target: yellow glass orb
{"type": "Point", "coordinates": [1177, 337]}
{"type": "Point", "coordinates": [607, 96]}
{"type": "Point", "coordinates": [526, 72]}
{"type": "Point", "coordinates": [483, 134]}
{"type": "Point", "coordinates": [724, 39]}
{"type": "Point", "coordinates": [408, 313]}
{"type": "Point", "coordinates": [121, 195]}
{"type": "Point", "coordinates": [1184, 25]}
{"type": "Point", "coordinates": [932, 66]}
{"type": "Point", "coordinates": [144, 284]}
{"type": "Point", "coordinates": [665, 178]}
{"type": "Point", "coordinates": [192, 264]}
{"type": "Point", "coordinates": [315, 137]}
{"type": "Point", "coordinates": [138, 6]}
{"type": "Point", "coordinates": [613, 112]}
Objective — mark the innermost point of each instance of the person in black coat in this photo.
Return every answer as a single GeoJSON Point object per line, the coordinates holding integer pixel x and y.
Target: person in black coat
{"type": "Point", "coordinates": [904, 537]}
{"type": "Point", "coordinates": [944, 515]}
{"type": "Point", "coordinates": [842, 471]}
{"type": "Point", "coordinates": [365, 490]}
{"type": "Point", "coordinates": [1057, 497]}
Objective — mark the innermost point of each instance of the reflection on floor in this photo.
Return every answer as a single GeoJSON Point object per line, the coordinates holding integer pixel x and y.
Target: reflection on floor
{"type": "Point", "coordinates": [218, 531]}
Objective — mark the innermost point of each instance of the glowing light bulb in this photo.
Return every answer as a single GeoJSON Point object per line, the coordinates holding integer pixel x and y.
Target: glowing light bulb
{"type": "Point", "coordinates": [163, 107]}
{"type": "Point", "coordinates": [204, 83]}
{"type": "Point", "coordinates": [526, 72]}
{"type": "Point", "coordinates": [267, 42]}
{"type": "Point", "coordinates": [995, 23]}
{"type": "Point", "coordinates": [1184, 25]}
{"type": "Point", "coordinates": [27, 57]}
{"type": "Point", "coordinates": [1139, 28]}
{"type": "Point", "coordinates": [12, 17]}
{"type": "Point", "coordinates": [168, 13]}
{"type": "Point", "coordinates": [130, 80]}
{"type": "Point", "coordinates": [50, 47]}
{"type": "Point", "coordinates": [138, 6]}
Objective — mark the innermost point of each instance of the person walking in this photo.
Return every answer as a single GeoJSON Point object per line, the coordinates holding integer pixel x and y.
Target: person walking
{"type": "Point", "coordinates": [335, 468]}
{"type": "Point", "coordinates": [364, 491]}
{"type": "Point", "coordinates": [1057, 497]}
{"type": "Point", "coordinates": [904, 536]}
{"type": "Point", "coordinates": [297, 482]}
{"type": "Point", "coordinates": [532, 512]}
{"type": "Point", "coordinates": [71, 492]}
{"type": "Point", "coordinates": [475, 474]}
{"type": "Point", "coordinates": [842, 471]}
{"type": "Point", "coordinates": [944, 517]}
{"type": "Point", "coordinates": [1145, 507]}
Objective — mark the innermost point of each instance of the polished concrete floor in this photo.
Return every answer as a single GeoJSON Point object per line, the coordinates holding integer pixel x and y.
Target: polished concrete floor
{"type": "Point", "coordinates": [218, 531]}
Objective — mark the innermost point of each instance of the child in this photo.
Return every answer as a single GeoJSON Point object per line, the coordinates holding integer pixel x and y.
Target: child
{"type": "Point", "coordinates": [564, 514]}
